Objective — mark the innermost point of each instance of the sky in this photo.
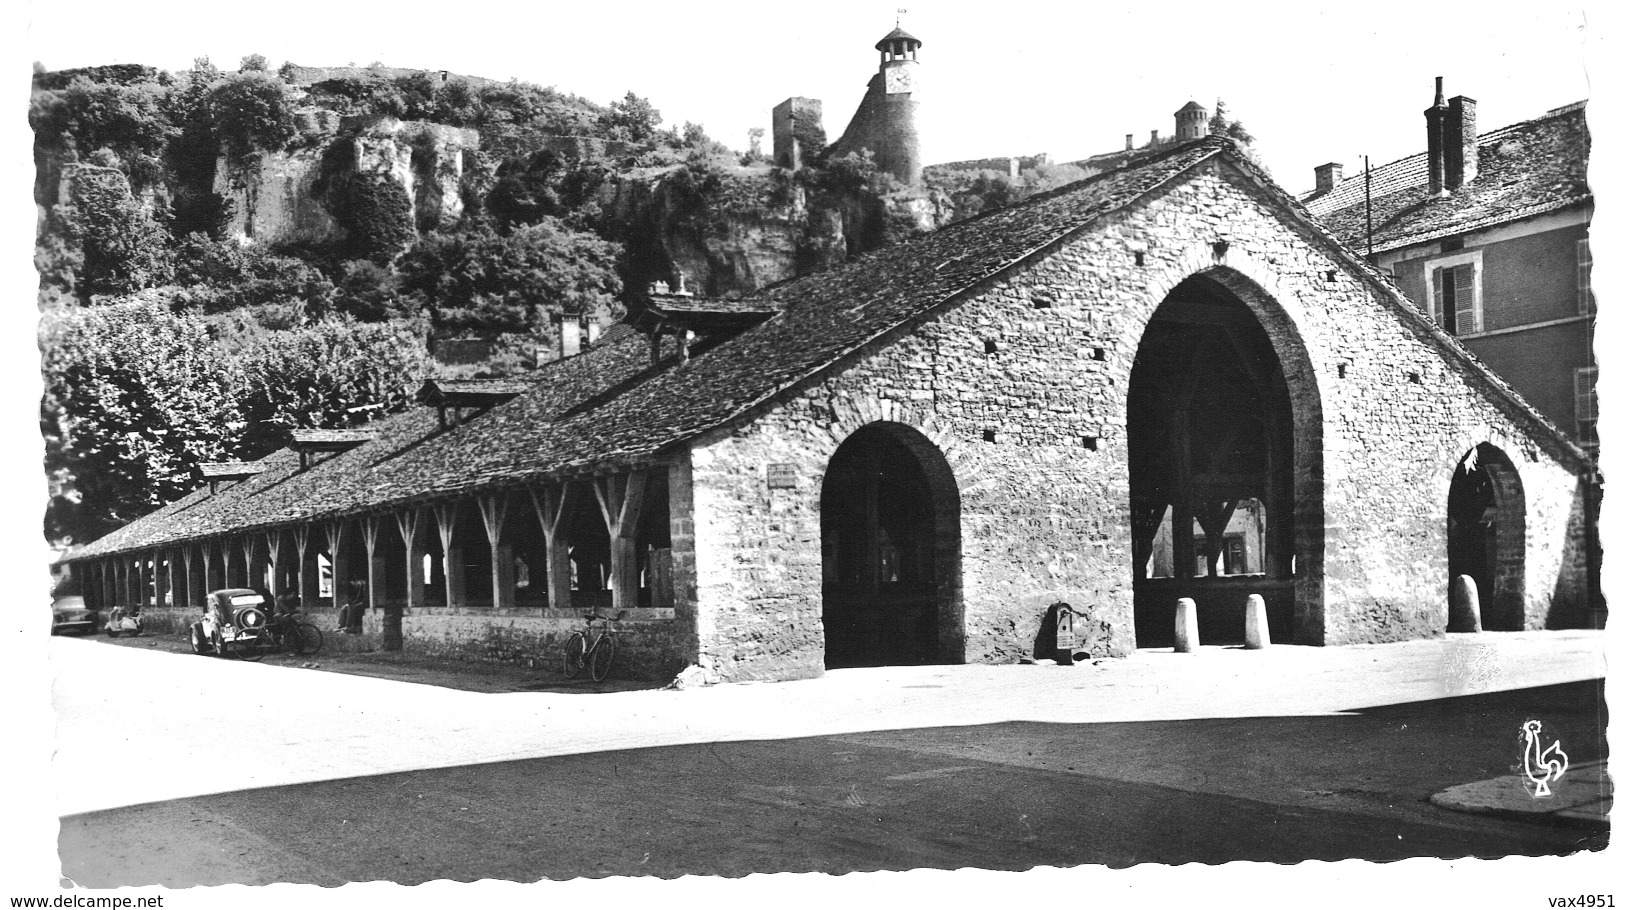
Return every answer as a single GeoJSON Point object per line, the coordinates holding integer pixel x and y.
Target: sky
{"type": "Point", "coordinates": [1313, 83]}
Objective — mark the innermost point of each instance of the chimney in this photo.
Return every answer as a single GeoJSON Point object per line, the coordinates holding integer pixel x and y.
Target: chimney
{"type": "Point", "coordinates": [1460, 142]}
{"type": "Point", "coordinates": [1128, 142]}
{"type": "Point", "coordinates": [1153, 137]}
{"type": "Point", "coordinates": [1015, 167]}
{"type": "Point", "coordinates": [1435, 116]}
{"type": "Point", "coordinates": [1328, 176]}
{"type": "Point", "coordinates": [570, 336]}
{"type": "Point", "coordinates": [594, 329]}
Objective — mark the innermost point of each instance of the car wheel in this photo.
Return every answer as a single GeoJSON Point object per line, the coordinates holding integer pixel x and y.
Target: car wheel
{"type": "Point", "coordinates": [111, 631]}
{"type": "Point", "coordinates": [199, 644]}
{"type": "Point", "coordinates": [219, 643]}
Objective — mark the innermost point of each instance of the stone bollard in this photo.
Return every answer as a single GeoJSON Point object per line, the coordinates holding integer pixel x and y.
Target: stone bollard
{"type": "Point", "coordinates": [1464, 612]}
{"type": "Point", "coordinates": [1258, 624]}
{"type": "Point", "coordinates": [1186, 638]}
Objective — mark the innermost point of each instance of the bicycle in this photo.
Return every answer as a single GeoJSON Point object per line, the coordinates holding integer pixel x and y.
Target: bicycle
{"type": "Point", "coordinates": [598, 653]}
{"type": "Point", "coordinates": [289, 633]}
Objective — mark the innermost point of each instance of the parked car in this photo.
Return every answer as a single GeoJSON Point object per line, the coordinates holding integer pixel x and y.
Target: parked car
{"type": "Point", "coordinates": [69, 614]}
{"type": "Point", "coordinates": [232, 625]}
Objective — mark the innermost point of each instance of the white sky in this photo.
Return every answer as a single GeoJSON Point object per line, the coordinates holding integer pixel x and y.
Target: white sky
{"type": "Point", "coordinates": [1313, 83]}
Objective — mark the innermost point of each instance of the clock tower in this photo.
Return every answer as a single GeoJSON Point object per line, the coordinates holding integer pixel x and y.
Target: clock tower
{"type": "Point", "coordinates": [885, 123]}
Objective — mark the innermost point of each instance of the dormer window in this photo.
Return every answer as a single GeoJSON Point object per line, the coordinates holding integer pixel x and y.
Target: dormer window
{"type": "Point", "coordinates": [460, 399]}
{"type": "Point", "coordinates": [216, 473]}
{"type": "Point", "coordinates": [311, 443]}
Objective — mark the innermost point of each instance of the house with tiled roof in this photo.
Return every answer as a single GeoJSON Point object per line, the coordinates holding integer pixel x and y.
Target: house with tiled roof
{"type": "Point", "coordinates": [915, 456]}
{"type": "Point", "coordinates": [1489, 234]}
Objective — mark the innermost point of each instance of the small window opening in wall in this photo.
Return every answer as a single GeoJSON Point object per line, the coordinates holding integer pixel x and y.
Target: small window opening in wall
{"type": "Point", "coordinates": [990, 436]}
{"type": "Point", "coordinates": [1098, 354]}
{"type": "Point", "coordinates": [990, 346]}
{"type": "Point", "coordinates": [1091, 443]}
{"type": "Point", "coordinates": [1139, 257]}
{"type": "Point", "coordinates": [1415, 377]}
{"type": "Point", "coordinates": [1040, 303]}
{"type": "Point", "coordinates": [1331, 276]}
{"type": "Point", "coordinates": [1220, 247]}
{"type": "Point", "coordinates": [1342, 371]}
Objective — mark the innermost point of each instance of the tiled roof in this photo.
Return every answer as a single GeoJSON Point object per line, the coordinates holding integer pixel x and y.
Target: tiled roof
{"type": "Point", "coordinates": [610, 407]}
{"type": "Point", "coordinates": [1524, 170]}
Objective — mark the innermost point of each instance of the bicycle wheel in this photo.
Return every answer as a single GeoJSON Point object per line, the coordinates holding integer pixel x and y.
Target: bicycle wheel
{"type": "Point", "coordinates": [305, 639]}
{"type": "Point", "coordinates": [603, 654]}
{"type": "Point", "coordinates": [575, 654]}
{"type": "Point", "coordinates": [250, 650]}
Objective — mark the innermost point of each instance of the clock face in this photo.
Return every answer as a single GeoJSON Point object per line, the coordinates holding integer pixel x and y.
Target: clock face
{"type": "Point", "coordinates": [899, 79]}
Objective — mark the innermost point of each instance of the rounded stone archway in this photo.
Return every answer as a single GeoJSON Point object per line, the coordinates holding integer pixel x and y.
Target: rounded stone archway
{"type": "Point", "coordinates": [889, 523]}
{"type": "Point", "coordinates": [1485, 522]}
{"type": "Point", "coordinates": [1224, 465]}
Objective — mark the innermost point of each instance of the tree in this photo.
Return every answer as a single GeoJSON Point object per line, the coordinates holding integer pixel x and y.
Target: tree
{"type": "Point", "coordinates": [135, 398]}
{"type": "Point", "coordinates": [254, 63]}
{"type": "Point", "coordinates": [632, 119]}
{"type": "Point", "coordinates": [332, 373]}
{"type": "Point", "coordinates": [123, 249]}
{"type": "Point", "coordinates": [478, 280]}
{"type": "Point", "coordinates": [251, 112]}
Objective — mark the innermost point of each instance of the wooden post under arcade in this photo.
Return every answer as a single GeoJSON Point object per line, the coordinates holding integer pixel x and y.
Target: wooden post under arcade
{"type": "Point", "coordinates": [309, 572]}
{"type": "Point", "coordinates": [254, 559]}
{"type": "Point", "coordinates": [377, 571]}
{"type": "Point", "coordinates": [410, 523]}
{"type": "Point", "coordinates": [273, 562]}
{"type": "Point", "coordinates": [335, 557]}
{"type": "Point", "coordinates": [160, 578]}
{"type": "Point", "coordinates": [493, 509]}
{"type": "Point", "coordinates": [445, 515]}
{"type": "Point", "coordinates": [553, 505]}
{"type": "Point", "coordinates": [620, 497]}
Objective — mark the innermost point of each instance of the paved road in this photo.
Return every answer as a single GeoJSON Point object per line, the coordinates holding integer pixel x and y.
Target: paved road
{"type": "Point", "coordinates": [998, 796]}
{"type": "Point", "coordinates": [1223, 755]}
{"type": "Point", "coordinates": [275, 725]}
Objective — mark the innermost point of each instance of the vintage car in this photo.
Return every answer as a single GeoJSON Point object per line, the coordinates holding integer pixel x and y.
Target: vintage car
{"type": "Point", "coordinates": [233, 624]}
{"type": "Point", "coordinates": [69, 614]}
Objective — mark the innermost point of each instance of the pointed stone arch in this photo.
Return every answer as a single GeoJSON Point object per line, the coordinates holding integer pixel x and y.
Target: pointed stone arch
{"type": "Point", "coordinates": [1218, 310]}
{"type": "Point", "coordinates": [1485, 533]}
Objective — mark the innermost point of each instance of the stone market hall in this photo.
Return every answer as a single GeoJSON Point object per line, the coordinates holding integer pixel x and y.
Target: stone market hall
{"type": "Point", "coordinates": [909, 458]}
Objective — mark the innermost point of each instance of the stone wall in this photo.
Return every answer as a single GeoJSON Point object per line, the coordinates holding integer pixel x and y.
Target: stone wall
{"type": "Point", "coordinates": [1023, 387]}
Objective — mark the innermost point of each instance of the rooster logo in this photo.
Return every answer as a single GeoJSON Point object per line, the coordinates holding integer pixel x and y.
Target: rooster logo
{"type": "Point", "coordinates": [1541, 766]}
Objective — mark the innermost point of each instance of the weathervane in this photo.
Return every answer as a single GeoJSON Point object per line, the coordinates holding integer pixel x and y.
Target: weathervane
{"type": "Point", "coordinates": [900, 12]}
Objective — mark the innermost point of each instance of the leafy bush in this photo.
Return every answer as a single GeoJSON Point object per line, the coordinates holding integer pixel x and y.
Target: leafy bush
{"type": "Point", "coordinates": [122, 248]}
{"type": "Point", "coordinates": [376, 215]}
{"type": "Point", "coordinates": [481, 281]}
{"type": "Point", "coordinates": [251, 112]}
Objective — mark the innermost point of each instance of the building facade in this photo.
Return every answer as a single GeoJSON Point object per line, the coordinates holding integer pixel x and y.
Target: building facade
{"type": "Point", "coordinates": [910, 458]}
{"type": "Point", "coordinates": [1490, 236]}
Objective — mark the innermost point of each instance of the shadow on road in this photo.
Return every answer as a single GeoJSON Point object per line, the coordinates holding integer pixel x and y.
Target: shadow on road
{"type": "Point", "coordinates": [995, 796]}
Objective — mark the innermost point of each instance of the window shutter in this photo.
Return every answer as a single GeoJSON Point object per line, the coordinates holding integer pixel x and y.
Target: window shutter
{"type": "Point", "coordinates": [1466, 314]}
{"type": "Point", "coordinates": [1437, 310]}
{"type": "Point", "coordinates": [1585, 405]}
{"type": "Point", "coordinates": [1588, 303]}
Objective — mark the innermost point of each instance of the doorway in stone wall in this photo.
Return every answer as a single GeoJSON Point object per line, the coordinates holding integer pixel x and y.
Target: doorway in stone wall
{"type": "Point", "coordinates": [1486, 534]}
{"type": "Point", "coordinates": [889, 520]}
{"type": "Point", "coordinates": [1218, 510]}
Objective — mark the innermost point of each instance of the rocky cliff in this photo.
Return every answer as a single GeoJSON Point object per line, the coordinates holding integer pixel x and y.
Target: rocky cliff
{"type": "Point", "coordinates": [304, 195]}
